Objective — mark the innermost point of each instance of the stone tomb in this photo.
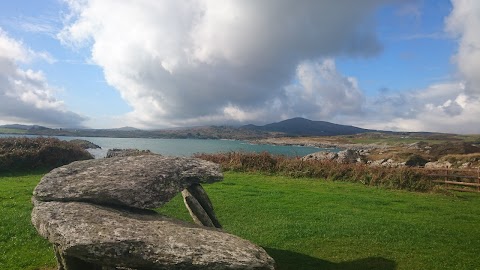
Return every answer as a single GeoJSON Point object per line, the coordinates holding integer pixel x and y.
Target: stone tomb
{"type": "Point", "coordinates": [97, 214]}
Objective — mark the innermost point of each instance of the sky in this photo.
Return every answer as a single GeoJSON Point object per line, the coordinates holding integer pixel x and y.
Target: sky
{"type": "Point", "coordinates": [401, 65]}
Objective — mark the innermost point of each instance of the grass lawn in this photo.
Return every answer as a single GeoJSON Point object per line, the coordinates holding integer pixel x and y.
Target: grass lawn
{"type": "Point", "coordinates": [20, 245]}
{"type": "Point", "coordinates": [302, 223]}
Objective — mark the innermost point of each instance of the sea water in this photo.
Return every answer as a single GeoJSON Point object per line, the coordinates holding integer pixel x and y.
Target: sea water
{"type": "Point", "coordinates": [188, 147]}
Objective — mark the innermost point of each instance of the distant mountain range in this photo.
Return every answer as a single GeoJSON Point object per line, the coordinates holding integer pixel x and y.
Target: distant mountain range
{"type": "Point", "coordinates": [291, 127]}
{"type": "Point", "coordinates": [304, 127]}
{"type": "Point", "coordinates": [24, 127]}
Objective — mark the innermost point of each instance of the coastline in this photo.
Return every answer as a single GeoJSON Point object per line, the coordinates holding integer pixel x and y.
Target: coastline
{"type": "Point", "coordinates": [316, 142]}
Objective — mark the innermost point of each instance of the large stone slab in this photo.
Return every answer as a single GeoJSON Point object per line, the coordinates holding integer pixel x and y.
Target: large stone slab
{"type": "Point", "coordinates": [141, 240]}
{"type": "Point", "coordinates": [146, 181]}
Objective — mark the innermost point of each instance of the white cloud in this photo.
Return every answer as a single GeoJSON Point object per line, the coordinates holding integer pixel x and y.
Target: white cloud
{"type": "Point", "coordinates": [202, 61]}
{"type": "Point", "coordinates": [208, 62]}
{"type": "Point", "coordinates": [25, 96]}
{"type": "Point", "coordinates": [443, 107]}
{"type": "Point", "coordinates": [464, 23]}
{"type": "Point", "coordinates": [322, 92]}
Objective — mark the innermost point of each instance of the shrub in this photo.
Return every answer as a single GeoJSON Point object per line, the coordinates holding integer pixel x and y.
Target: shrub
{"type": "Point", "coordinates": [21, 153]}
{"type": "Point", "coordinates": [416, 161]}
{"type": "Point", "coordinates": [398, 178]}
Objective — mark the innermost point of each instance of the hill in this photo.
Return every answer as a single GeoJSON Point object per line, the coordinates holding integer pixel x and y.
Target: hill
{"type": "Point", "coordinates": [290, 127]}
{"type": "Point", "coordinates": [24, 127]}
{"type": "Point", "coordinates": [304, 127]}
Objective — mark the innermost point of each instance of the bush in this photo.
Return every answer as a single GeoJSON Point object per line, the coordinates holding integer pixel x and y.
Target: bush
{"type": "Point", "coordinates": [20, 153]}
{"type": "Point", "coordinates": [416, 161]}
{"type": "Point", "coordinates": [398, 178]}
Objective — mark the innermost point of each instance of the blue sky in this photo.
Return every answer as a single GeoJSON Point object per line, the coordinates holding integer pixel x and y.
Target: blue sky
{"type": "Point", "coordinates": [398, 65]}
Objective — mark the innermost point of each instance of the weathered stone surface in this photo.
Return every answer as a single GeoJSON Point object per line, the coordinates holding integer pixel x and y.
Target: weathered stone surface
{"type": "Point", "coordinates": [438, 165]}
{"type": "Point", "coordinates": [146, 181]}
{"type": "Point", "coordinates": [322, 155]}
{"type": "Point", "coordinates": [346, 156]}
{"type": "Point", "coordinates": [200, 207]}
{"type": "Point", "coordinates": [146, 240]}
{"type": "Point", "coordinates": [115, 152]}
{"type": "Point", "coordinates": [390, 163]}
{"type": "Point", "coordinates": [349, 156]}
{"type": "Point", "coordinates": [85, 144]}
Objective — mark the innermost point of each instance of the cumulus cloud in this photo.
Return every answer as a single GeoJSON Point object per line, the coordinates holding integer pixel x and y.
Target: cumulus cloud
{"type": "Point", "coordinates": [204, 61]}
{"type": "Point", "coordinates": [443, 107]}
{"type": "Point", "coordinates": [208, 62]}
{"type": "Point", "coordinates": [25, 96]}
{"type": "Point", "coordinates": [321, 92]}
{"type": "Point", "coordinates": [464, 23]}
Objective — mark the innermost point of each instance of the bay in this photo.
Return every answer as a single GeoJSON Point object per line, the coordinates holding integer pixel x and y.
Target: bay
{"type": "Point", "coordinates": [188, 147]}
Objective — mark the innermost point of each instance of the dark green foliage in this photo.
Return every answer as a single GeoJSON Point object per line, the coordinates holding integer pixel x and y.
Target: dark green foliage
{"type": "Point", "coordinates": [38, 153]}
{"type": "Point", "coordinates": [404, 178]}
{"type": "Point", "coordinates": [416, 161]}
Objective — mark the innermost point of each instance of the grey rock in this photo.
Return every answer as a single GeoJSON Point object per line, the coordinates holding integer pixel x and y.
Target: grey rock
{"type": "Point", "coordinates": [94, 236]}
{"type": "Point", "coordinates": [393, 164]}
{"type": "Point", "coordinates": [200, 207]}
{"type": "Point", "coordinates": [438, 165]}
{"type": "Point", "coordinates": [349, 156]}
{"type": "Point", "coordinates": [85, 144]}
{"type": "Point", "coordinates": [390, 163]}
{"type": "Point", "coordinates": [115, 152]}
{"type": "Point", "coordinates": [378, 162]}
{"type": "Point", "coordinates": [465, 165]}
{"type": "Point", "coordinates": [146, 181]}
{"type": "Point", "coordinates": [346, 156]}
{"type": "Point", "coordinates": [322, 155]}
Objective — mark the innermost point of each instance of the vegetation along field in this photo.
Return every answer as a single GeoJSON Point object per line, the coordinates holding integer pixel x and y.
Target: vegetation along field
{"type": "Point", "coordinates": [303, 223]}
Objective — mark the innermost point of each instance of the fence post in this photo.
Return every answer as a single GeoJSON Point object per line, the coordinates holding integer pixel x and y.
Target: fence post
{"type": "Point", "coordinates": [446, 178]}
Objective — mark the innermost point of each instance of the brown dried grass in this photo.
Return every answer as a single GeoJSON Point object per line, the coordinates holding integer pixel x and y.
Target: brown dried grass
{"type": "Point", "coordinates": [398, 178]}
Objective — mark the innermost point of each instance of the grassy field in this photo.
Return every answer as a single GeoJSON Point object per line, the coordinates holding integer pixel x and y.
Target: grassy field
{"type": "Point", "coordinates": [302, 223]}
{"type": "Point", "coordinates": [12, 131]}
{"type": "Point", "coordinates": [20, 245]}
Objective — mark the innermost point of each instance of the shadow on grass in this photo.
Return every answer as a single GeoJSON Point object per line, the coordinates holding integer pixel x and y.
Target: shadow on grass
{"type": "Point", "coordinates": [20, 173]}
{"type": "Point", "coordinates": [291, 260]}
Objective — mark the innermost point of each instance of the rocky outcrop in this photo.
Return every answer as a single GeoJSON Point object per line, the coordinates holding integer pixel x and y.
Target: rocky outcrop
{"type": "Point", "coordinates": [115, 152]}
{"type": "Point", "coordinates": [322, 156]}
{"type": "Point", "coordinates": [345, 157]}
{"type": "Point", "coordinates": [85, 144]}
{"type": "Point", "coordinates": [438, 165]}
{"type": "Point", "coordinates": [390, 163]}
{"type": "Point", "coordinates": [350, 156]}
{"type": "Point", "coordinates": [96, 214]}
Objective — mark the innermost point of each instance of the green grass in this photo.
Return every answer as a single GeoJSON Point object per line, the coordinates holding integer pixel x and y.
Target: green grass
{"type": "Point", "coordinates": [396, 139]}
{"type": "Point", "coordinates": [12, 131]}
{"type": "Point", "coordinates": [302, 223]}
{"type": "Point", "coordinates": [20, 245]}
{"type": "Point", "coordinates": [312, 224]}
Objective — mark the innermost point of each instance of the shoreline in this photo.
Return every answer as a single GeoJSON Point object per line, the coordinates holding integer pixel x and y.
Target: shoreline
{"type": "Point", "coordinates": [307, 142]}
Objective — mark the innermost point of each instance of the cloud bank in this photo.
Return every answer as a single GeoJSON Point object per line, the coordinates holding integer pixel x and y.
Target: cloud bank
{"type": "Point", "coordinates": [203, 62]}
{"type": "Point", "coordinates": [444, 107]}
{"type": "Point", "coordinates": [208, 62]}
{"type": "Point", "coordinates": [25, 96]}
